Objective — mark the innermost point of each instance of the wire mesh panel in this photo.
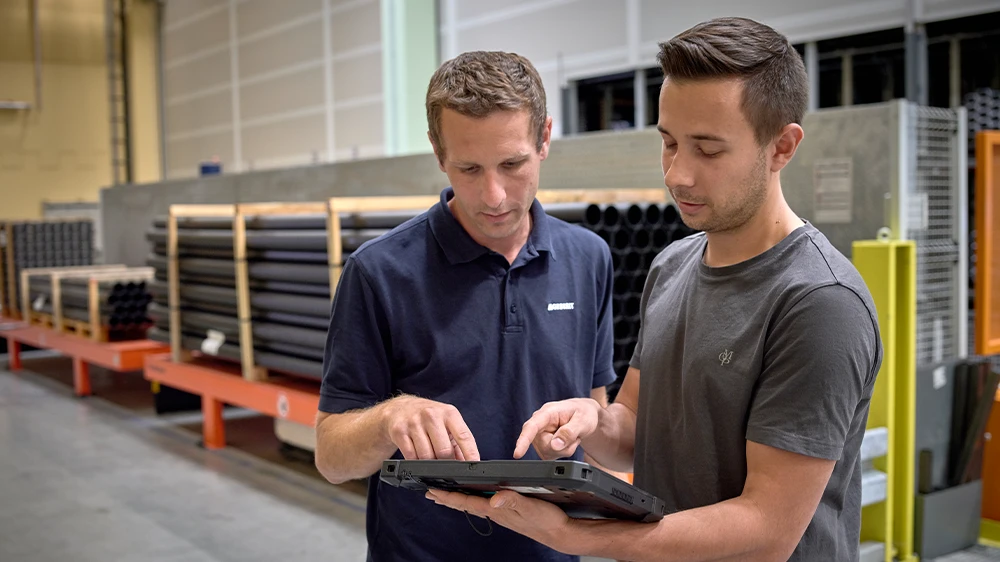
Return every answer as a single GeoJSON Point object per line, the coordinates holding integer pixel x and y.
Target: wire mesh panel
{"type": "Point", "coordinates": [933, 212]}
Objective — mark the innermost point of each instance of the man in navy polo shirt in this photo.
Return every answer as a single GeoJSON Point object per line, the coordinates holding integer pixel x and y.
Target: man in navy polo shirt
{"type": "Point", "coordinates": [449, 331]}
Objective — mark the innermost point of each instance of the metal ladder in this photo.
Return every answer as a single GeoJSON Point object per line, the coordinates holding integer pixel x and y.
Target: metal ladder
{"type": "Point", "coordinates": [117, 61]}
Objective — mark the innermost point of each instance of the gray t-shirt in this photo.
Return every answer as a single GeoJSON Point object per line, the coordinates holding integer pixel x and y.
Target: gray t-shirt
{"type": "Point", "coordinates": [783, 350]}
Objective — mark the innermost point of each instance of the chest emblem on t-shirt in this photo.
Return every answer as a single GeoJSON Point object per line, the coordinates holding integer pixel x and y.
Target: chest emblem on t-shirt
{"type": "Point", "coordinates": [560, 306]}
{"type": "Point", "coordinates": [725, 357]}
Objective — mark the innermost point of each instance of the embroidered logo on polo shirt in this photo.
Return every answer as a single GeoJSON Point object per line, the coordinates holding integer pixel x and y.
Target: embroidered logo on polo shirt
{"type": "Point", "coordinates": [560, 306]}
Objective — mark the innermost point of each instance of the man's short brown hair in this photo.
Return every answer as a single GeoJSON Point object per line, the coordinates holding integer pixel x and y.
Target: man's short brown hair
{"type": "Point", "coordinates": [480, 83]}
{"type": "Point", "coordinates": [775, 85]}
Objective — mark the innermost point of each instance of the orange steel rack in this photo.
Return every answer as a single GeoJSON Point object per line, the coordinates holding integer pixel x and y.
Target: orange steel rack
{"type": "Point", "coordinates": [122, 356]}
{"type": "Point", "coordinates": [219, 382]}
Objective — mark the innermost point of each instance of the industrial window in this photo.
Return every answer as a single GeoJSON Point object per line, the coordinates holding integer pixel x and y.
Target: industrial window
{"type": "Point", "coordinates": [607, 102]}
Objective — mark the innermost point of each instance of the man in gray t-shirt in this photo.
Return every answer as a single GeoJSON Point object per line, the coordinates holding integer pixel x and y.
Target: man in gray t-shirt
{"type": "Point", "coordinates": [781, 350]}
{"type": "Point", "coordinates": [759, 343]}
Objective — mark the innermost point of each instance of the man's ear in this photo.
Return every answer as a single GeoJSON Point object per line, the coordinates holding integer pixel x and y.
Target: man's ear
{"type": "Point", "coordinates": [785, 145]}
{"type": "Point", "coordinates": [437, 151]}
{"type": "Point", "coordinates": [546, 138]}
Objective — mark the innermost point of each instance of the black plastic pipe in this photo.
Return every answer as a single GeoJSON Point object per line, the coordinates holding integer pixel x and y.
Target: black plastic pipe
{"type": "Point", "coordinates": [661, 237]}
{"type": "Point", "coordinates": [280, 302]}
{"type": "Point", "coordinates": [670, 215]}
{"type": "Point", "coordinates": [294, 240]}
{"type": "Point", "coordinates": [640, 239]}
{"type": "Point", "coordinates": [314, 322]}
{"type": "Point", "coordinates": [622, 239]}
{"type": "Point", "coordinates": [633, 261]}
{"type": "Point", "coordinates": [265, 271]}
{"type": "Point", "coordinates": [253, 255]}
{"type": "Point", "coordinates": [569, 212]}
{"type": "Point", "coordinates": [231, 351]}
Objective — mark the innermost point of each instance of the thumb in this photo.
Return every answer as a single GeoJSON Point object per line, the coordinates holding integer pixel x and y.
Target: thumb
{"type": "Point", "coordinates": [566, 435]}
{"type": "Point", "coordinates": [504, 500]}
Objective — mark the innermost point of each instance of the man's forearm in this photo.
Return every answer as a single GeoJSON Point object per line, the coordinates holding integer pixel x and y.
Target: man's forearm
{"type": "Point", "coordinates": [353, 445]}
{"type": "Point", "coordinates": [731, 530]}
{"type": "Point", "coordinates": [613, 444]}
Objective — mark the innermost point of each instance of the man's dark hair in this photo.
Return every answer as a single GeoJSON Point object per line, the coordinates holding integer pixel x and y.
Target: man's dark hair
{"type": "Point", "coordinates": [775, 86]}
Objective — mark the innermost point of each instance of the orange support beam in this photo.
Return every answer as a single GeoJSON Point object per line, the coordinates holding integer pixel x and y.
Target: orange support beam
{"type": "Point", "coordinates": [81, 377]}
{"type": "Point", "coordinates": [220, 383]}
{"type": "Point", "coordinates": [117, 356]}
{"type": "Point", "coordinates": [13, 354]}
{"type": "Point", "coordinates": [991, 465]}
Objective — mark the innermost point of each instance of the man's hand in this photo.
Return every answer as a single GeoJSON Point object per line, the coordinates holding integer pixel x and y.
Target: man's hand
{"type": "Point", "coordinates": [424, 429]}
{"type": "Point", "coordinates": [558, 428]}
{"type": "Point", "coordinates": [535, 519]}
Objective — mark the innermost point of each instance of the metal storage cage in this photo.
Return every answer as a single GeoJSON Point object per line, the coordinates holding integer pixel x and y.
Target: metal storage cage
{"type": "Point", "coordinates": [895, 171]}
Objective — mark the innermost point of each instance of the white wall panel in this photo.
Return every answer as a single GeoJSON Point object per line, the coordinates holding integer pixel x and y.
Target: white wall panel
{"type": "Point", "coordinates": [275, 52]}
{"type": "Point", "coordinates": [359, 126]}
{"type": "Point", "coordinates": [297, 136]}
{"type": "Point", "coordinates": [357, 77]}
{"type": "Point", "coordinates": [288, 93]}
{"type": "Point", "coordinates": [179, 11]}
{"type": "Point", "coordinates": [197, 35]}
{"type": "Point", "coordinates": [304, 82]}
{"type": "Point", "coordinates": [254, 16]}
{"type": "Point", "coordinates": [583, 26]}
{"type": "Point", "coordinates": [189, 152]}
{"type": "Point", "coordinates": [468, 9]}
{"type": "Point", "coordinates": [356, 27]}
{"type": "Point", "coordinates": [207, 111]}
{"type": "Point", "coordinates": [196, 75]}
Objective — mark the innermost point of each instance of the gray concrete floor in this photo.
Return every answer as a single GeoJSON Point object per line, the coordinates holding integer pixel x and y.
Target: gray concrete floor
{"type": "Point", "coordinates": [103, 479]}
{"type": "Point", "coordinates": [87, 480]}
{"type": "Point", "coordinates": [106, 479]}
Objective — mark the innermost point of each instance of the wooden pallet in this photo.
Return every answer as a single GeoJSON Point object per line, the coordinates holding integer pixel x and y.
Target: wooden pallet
{"type": "Point", "coordinates": [93, 329]}
{"type": "Point", "coordinates": [69, 326]}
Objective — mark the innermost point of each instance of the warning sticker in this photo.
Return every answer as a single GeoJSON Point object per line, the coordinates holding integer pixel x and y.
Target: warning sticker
{"type": "Point", "coordinates": [833, 182]}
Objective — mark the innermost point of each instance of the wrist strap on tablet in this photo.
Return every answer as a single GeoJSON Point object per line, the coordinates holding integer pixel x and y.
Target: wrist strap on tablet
{"type": "Point", "coordinates": [489, 525]}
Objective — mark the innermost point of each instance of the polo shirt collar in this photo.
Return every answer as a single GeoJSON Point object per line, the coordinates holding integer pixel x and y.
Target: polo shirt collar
{"type": "Point", "coordinates": [459, 247]}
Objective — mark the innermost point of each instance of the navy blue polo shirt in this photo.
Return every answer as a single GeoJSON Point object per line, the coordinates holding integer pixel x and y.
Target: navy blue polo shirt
{"type": "Point", "coordinates": [427, 311]}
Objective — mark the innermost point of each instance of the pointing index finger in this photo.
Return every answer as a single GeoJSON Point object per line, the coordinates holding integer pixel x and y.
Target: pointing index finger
{"type": "Point", "coordinates": [529, 431]}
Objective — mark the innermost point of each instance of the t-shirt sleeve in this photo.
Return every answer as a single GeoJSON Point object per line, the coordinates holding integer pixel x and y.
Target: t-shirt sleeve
{"type": "Point", "coordinates": [356, 370]}
{"type": "Point", "coordinates": [604, 372]}
{"type": "Point", "coordinates": [819, 368]}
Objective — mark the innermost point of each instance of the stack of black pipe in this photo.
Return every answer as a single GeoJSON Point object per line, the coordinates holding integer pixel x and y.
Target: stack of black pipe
{"type": "Point", "coordinates": [983, 111]}
{"type": "Point", "coordinates": [636, 233]}
{"type": "Point", "coordinates": [290, 286]}
{"type": "Point", "coordinates": [123, 303]}
{"type": "Point", "coordinates": [56, 243]}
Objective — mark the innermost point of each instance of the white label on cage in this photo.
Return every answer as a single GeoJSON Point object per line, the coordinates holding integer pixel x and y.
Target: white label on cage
{"type": "Point", "coordinates": [833, 184]}
{"type": "Point", "coordinates": [919, 212]}
{"type": "Point", "coordinates": [213, 342]}
{"type": "Point", "coordinates": [39, 303]}
{"type": "Point", "coordinates": [940, 380]}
